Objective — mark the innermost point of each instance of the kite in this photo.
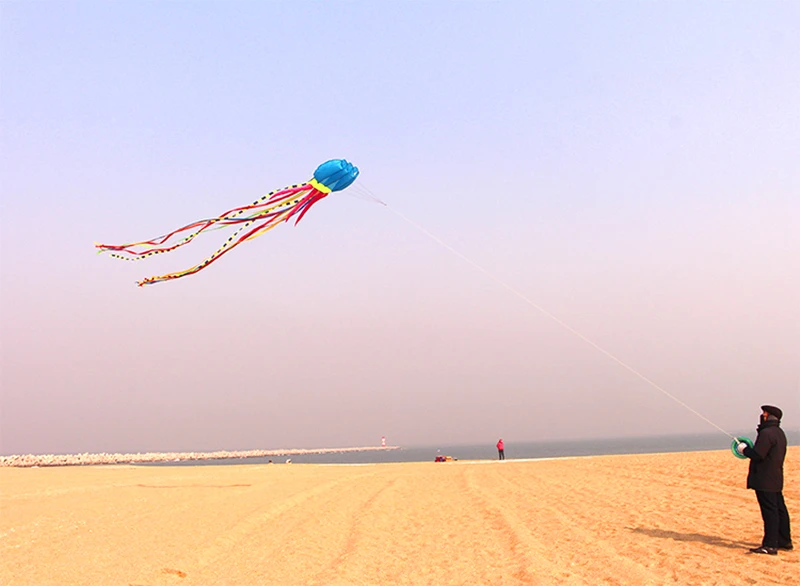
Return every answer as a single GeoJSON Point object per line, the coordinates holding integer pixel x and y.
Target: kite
{"type": "Point", "coordinates": [256, 219]}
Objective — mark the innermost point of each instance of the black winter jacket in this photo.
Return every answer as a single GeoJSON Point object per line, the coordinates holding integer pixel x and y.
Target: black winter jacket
{"type": "Point", "coordinates": [766, 458]}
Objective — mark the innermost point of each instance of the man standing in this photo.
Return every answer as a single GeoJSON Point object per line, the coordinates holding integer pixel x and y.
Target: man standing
{"type": "Point", "coordinates": [500, 449]}
{"type": "Point", "coordinates": [766, 478]}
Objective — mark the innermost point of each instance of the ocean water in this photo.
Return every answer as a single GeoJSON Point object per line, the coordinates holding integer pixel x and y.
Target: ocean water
{"type": "Point", "coordinates": [523, 450]}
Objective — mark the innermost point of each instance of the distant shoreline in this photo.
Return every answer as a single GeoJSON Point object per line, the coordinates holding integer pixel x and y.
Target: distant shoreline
{"type": "Point", "coordinates": [31, 461]}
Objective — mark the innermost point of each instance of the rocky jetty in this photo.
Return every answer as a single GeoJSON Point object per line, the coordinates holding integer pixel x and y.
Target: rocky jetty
{"type": "Point", "coordinates": [30, 461]}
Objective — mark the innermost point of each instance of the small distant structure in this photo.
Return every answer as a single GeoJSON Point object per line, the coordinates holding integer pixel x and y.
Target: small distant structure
{"type": "Point", "coordinates": [383, 441]}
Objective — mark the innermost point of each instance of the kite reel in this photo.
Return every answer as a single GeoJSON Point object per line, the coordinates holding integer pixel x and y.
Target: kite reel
{"type": "Point", "coordinates": [736, 442]}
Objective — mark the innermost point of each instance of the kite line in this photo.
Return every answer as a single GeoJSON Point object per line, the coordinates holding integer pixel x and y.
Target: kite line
{"type": "Point", "coordinates": [542, 310]}
{"type": "Point", "coordinates": [278, 207]}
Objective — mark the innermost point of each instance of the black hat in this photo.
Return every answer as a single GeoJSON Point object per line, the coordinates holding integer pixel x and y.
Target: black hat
{"type": "Point", "coordinates": [772, 410]}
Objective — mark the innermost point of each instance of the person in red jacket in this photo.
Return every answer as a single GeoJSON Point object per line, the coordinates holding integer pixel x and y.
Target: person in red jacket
{"type": "Point", "coordinates": [766, 478]}
{"type": "Point", "coordinates": [500, 449]}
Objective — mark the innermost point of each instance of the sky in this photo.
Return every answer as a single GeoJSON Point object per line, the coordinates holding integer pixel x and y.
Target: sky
{"type": "Point", "coordinates": [627, 168]}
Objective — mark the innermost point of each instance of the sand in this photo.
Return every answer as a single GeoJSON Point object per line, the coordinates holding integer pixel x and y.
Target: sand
{"type": "Point", "coordinates": [640, 519]}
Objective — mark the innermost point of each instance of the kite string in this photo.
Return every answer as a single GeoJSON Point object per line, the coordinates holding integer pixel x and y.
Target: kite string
{"type": "Point", "coordinates": [550, 315]}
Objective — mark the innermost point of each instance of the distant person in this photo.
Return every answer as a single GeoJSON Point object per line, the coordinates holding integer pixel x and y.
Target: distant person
{"type": "Point", "coordinates": [501, 449]}
{"type": "Point", "coordinates": [766, 478]}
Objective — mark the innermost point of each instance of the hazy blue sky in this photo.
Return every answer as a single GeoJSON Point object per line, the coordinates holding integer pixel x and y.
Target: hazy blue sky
{"type": "Point", "coordinates": [632, 167]}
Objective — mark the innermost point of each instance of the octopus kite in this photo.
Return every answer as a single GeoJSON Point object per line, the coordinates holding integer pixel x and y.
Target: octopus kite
{"type": "Point", "coordinates": [254, 220]}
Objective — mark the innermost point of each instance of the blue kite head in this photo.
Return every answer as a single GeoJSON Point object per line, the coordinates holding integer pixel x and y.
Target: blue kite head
{"type": "Point", "coordinates": [336, 174]}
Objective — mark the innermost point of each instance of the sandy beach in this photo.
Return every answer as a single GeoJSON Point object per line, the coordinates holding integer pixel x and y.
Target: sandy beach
{"type": "Point", "coordinates": [644, 519]}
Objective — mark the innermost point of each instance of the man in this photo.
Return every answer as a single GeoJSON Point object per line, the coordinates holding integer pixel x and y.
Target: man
{"type": "Point", "coordinates": [766, 478]}
{"type": "Point", "coordinates": [500, 450]}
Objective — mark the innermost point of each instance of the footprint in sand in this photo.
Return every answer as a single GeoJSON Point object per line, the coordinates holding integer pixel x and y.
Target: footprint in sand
{"type": "Point", "coordinates": [175, 572]}
{"type": "Point", "coordinates": [172, 571]}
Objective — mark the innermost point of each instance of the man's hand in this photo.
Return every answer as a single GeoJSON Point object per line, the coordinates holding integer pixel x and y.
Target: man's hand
{"type": "Point", "coordinates": [740, 447]}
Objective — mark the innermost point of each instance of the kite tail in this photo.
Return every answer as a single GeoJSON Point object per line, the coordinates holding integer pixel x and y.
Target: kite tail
{"type": "Point", "coordinates": [270, 205]}
{"type": "Point", "coordinates": [267, 220]}
{"type": "Point", "coordinates": [320, 191]}
{"type": "Point", "coordinates": [305, 206]}
{"type": "Point", "coordinates": [226, 247]}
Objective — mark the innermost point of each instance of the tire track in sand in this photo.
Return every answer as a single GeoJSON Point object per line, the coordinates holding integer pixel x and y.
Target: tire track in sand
{"type": "Point", "coordinates": [571, 537]}
{"type": "Point", "coordinates": [225, 544]}
{"type": "Point", "coordinates": [519, 539]}
{"type": "Point", "coordinates": [354, 535]}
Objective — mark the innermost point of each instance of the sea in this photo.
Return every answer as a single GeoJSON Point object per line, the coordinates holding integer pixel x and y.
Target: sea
{"type": "Point", "coordinates": [521, 450]}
